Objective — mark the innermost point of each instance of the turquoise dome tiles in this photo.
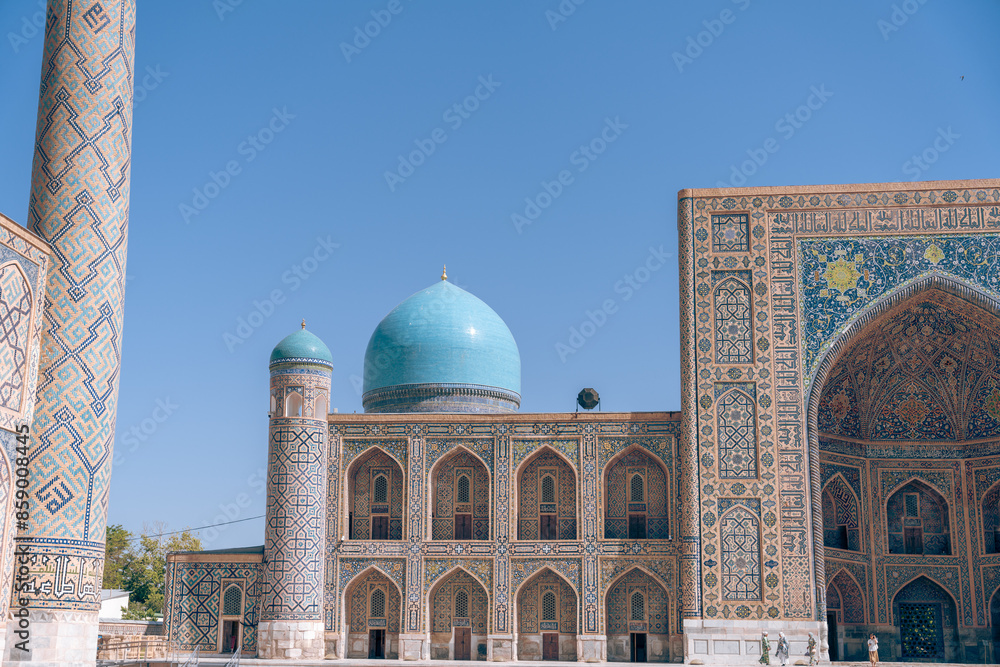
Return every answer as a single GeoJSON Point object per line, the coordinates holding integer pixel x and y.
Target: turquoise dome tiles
{"type": "Point", "coordinates": [301, 346]}
{"type": "Point", "coordinates": [442, 350]}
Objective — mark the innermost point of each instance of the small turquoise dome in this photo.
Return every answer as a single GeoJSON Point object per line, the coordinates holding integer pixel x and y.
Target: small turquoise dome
{"type": "Point", "coordinates": [442, 350]}
{"type": "Point", "coordinates": [301, 346]}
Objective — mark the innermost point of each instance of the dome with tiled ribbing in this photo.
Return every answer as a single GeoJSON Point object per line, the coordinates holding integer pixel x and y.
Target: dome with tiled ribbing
{"type": "Point", "coordinates": [301, 346]}
{"type": "Point", "coordinates": [442, 350]}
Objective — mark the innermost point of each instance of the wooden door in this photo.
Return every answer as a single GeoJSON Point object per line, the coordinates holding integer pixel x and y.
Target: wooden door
{"type": "Point", "coordinates": [463, 526]}
{"type": "Point", "coordinates": [230, 636]}
{"type": "Point", "coordinates": [380, 527]}
{"type": "Point", "coordinates": [549, 527]}
{"type": "Point", "coordinates": [638, 647]}
{"type": "Point", "coordinates": [913, 540]}
{"type": "Point", "coordinates": [550, 646]}
{"type": "Point", "coordinates": [463, 643]}
{"type": "Point", "coordinates": [376, 643]}
{"type": "Point", "coordinates": [637, 526]}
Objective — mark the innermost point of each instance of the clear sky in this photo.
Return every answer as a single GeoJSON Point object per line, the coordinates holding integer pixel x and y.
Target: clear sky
{"type": "Point", "coordinates": [279, 151]}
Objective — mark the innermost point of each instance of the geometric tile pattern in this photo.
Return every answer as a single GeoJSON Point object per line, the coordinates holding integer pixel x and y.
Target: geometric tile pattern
{"type": "Point", "coordinates": [737, 437]}
{"type": "Point", "coordinates": [730, 233]}
{"type": "Point", "coordinates": [23, 265]}
{"type": "Point", "coordinates": [15, 318]}
{"type": "Point", "coordinates": [733, 323]}
{"type": "Point", "coordinates": [366, 469]}
{"type": "Point", "coordinates": [850, 601]}
{"type": "Point", "coordinates": [447, 505]}
{"type": "Point", "coordinates": [358, 609]}
{"type": "Point", "coordinates": [840, 509]}
{"type": "Point", "coordinates": [294, 538]}
{"type": "Point", "coordinates": [192, 603]}
{"type": "Point", "coordinates": [740, 555]}
{"type": "Point", "coordinates": [79, 205]}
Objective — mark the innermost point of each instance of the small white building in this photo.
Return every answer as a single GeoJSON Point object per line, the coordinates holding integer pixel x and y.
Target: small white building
{"type": "Point", "coordinates": [112, 601]}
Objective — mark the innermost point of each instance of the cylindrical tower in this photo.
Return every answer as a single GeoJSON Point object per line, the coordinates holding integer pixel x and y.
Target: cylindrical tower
{"type": "Point", "coordinates": [79, 205]}
{"type": "Point", "coordinates": [291, 617]}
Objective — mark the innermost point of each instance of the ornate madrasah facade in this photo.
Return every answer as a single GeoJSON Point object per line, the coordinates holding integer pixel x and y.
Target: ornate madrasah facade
{"type": "Point", "coordinates": [834, 467]}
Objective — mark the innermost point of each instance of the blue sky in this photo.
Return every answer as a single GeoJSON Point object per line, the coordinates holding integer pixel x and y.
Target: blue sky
{"type": "Point", "coordinates": [278, 151]}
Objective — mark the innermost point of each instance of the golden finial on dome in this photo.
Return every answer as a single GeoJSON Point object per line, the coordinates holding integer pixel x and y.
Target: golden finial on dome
{"type": "Point", "coordinates": [444, 272]}
{"type": "Point", "coordinates": [303, 323]}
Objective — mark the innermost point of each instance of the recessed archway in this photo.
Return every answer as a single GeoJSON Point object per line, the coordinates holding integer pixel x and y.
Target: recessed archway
{"type": "Point", "coordinates": [637, 623]}
{"type": "Point", "coordinates": [636, 503]}
{"type": "Point", "coordinates": [546, 497]}
{"type": "Point", "coordinates": [546, 613]}
{"type": "Point", "coordinates": [925, 616]}
{"type": "Point", "coordinates": [372, 616]}
{"type": "Point", "coordinates": [376, 498]}
{"type": "Point", "coordinates": [460, 497]}
{"type": "Point", "coordinates": [459, 617]}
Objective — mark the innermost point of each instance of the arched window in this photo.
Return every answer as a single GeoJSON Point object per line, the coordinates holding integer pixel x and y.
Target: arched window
{"type": "Point", "coordinates": [293, 404]}
{"type": "Point", "coordinates": [917, 518]}
{"type": "Point", "coordinates": [232, 601]}
{"type": "Point", "coordinates": [548, 489]}
{"type": "Point", "coordinates": [274, 405]}
{"type": "Point", "coordinates": [549, 606]}
{"type": "Point", "coordinates": [320, 407]}
{"type": "Point", "coordinates": [638, 607]}
{"type": "Point", "coordinates": [380, 493]}
{"type": "Point", "coordinates": [378, 603]}
{"type": "Point", "coordinates": [635, 484]}
{"type": "Point", "coordinates": [462, 492]}
{"type": "Point", "coordinates": [461, 604]}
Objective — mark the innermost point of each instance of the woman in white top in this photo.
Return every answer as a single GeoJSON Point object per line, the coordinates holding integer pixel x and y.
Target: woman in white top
{"type": "Point", "coordinates": [873, 650]}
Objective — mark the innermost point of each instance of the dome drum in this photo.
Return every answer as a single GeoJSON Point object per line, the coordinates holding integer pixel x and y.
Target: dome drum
{"type": "Point", "coordinates": [467, 398]}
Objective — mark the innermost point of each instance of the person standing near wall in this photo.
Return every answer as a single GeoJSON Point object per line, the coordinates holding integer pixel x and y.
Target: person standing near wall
{"type": "Point", "coordinates": [782, 652]}
{"type": "Point", "coordinates": [765, 650]}
{"type": "Point", "coordinates": [873, 649]}
{"type": "Point", "coordinates": [811, 649]}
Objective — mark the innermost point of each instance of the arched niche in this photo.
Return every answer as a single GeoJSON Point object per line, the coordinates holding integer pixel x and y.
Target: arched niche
{"type": "Point", "coordinates": [373, 616]}
{"type": "Point", "coordinates": [546, 615]}
{"type": "Point", "coordinates": [546, 496]}
{"type": "Point", "coordinates": [636, 502]}
{"type": "Point", "coordinates": [917, 521]}
{"type": "Point", "coordinates": [460, 497]}
{"type": "Point", "coordinates": [637, 610]}
{"type": "Point", "coordinates": [459, 617]}
{"type": "Point", "coordinates": [376, 497]}
{"type": "Point", "coordinates": [841, 516]}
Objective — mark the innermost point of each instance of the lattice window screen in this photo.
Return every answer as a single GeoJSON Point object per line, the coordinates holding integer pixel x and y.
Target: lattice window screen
{"type": "Point", "coordinates": [381, 493]}
{"type": "Point", "coordinates": [638, 607]}
{"type": "Point", "coordinates": [549, 606]}
{"type": "Point", "coordinates": [462, 604]}
{"type": "Point", "coordinates": [636, 487]}
{"type": "Point", "coordinates": [378, 603]}
{"type": "Point", "coordinates": [912, 505]}
{"type": "Point", "coordinates": [232, 601]}
{"type": "Point", "coordinates": [463, 489]}
{"type": "Point", "coordinates": [548, 489]}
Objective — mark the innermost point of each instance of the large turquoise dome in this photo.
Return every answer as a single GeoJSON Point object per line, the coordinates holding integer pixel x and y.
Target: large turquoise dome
{"type": "Point", "coordinates": [442, 350]}
{"type": "Point", "coordinates": [301, 346]}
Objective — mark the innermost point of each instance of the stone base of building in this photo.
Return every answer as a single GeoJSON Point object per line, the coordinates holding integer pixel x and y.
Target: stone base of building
{"type": "Point", "coordinates": [591, 648]}
{"type": "Point", "coordinates": [730, 642]}
{"type": "Point", "coordinates": [500, 648]}
{"type": "Point", "coordinates": [54, 639]}
{"type": "Point", "coordinates": [290, 640]}
{"type": "Point", "coordinates": [414, 646]}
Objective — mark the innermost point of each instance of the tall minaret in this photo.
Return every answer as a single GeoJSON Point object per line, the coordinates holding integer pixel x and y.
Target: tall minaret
{"type": "Point", "coordinates": [79, 206]}
{"type": "Point", "coordinates": [291, 615]}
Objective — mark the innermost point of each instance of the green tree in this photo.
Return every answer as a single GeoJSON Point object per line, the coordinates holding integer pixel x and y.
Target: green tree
{"type": "Point", "coordinates": [138, 565]}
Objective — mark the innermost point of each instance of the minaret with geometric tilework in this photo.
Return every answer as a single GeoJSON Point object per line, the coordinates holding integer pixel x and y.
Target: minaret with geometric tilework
{"type": "Point", "coordinates": [291, 616]}
{"type": "Point", "coordinates": [79, 206]}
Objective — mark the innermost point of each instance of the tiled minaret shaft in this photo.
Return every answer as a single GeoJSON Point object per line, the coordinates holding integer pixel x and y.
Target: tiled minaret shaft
{"type": "Point", "coordinates": [291, 615]}
{"type": "Point", "coordinates": [79, 205]}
